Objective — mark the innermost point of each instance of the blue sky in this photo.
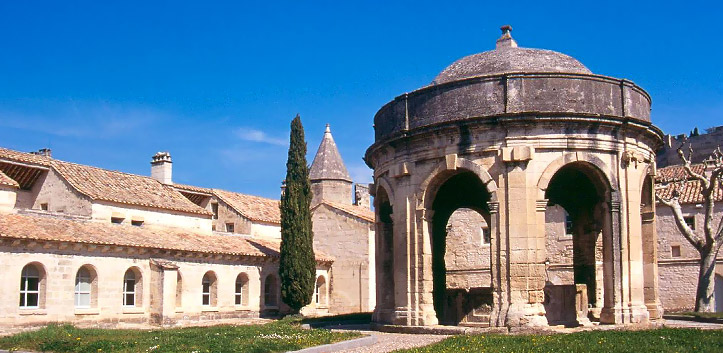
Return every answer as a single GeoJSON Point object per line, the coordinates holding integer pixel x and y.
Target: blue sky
{"type": "Point", "coordinates": [217, 83]}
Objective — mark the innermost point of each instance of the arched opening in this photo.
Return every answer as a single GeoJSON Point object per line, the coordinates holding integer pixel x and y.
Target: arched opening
{"type": "Point", "coordinates": [32, 286]}
{"type": "Point", "coordinates": [241, 290]}
{"type": "Point", "coordinates": [133, 287]}
{"type": "Point", "coordinates": [179, 290]}
{"type": "Point", "coordinates": [209, 289]}
{"type": "Point", "coordinates": [384, 256]}
{"type": "Point", "coordinates": [575, 221]}
{"type": "Point", "coordinates": [460, 232]}
{"type": "Point", "coordinates": [86, 287]}
{"type": "Point", "coordinates": [271, 292]}
{"type": "Point", "coordinates": [320, 293]}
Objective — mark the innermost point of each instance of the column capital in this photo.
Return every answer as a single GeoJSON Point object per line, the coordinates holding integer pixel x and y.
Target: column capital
{"type": "Point", "coordinates": [494, 206]}
{"type": "Point", "coordinates": [541, 205]}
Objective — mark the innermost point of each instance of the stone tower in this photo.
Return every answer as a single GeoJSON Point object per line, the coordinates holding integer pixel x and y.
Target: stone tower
{"type": "Point", "coordinates": [330, 180]}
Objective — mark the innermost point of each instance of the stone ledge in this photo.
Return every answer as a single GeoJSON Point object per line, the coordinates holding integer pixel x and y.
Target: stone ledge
{"type": "Point", "coordinates": [438, 329]}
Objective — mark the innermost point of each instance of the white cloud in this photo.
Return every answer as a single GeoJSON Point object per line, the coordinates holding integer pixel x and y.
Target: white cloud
{"type": "Point", "coordinates": [254, 135]}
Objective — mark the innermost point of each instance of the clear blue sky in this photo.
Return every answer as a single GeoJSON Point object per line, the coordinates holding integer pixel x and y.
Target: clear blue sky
{"type": "Point", "coordinates": [217, 84]}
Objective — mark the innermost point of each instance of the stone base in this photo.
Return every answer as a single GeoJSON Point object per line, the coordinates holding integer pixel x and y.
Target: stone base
{"type": "Point", "coordinates": [655, 310]}
{"type": "Point", "coordinates": [528, 315]}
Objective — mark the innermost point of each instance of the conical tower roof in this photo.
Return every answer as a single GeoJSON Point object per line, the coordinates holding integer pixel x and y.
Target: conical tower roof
{"type": "Point", "coordinates": [328, 164]}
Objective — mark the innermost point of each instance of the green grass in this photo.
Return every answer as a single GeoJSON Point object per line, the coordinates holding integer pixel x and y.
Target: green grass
{"type": "Point", "coordinates": [280, 336]}
{"type": "Point", "coordinates": [662, 340]}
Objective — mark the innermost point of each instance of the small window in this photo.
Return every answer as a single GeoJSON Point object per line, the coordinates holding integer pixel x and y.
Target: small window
{"type": "Point", "coordinates": [675, 251]}
{"type": "Point", "coordinates": [568, 224]}
{"type": "Point", "coordinates": [137, 223]}
{"type": "Point", "coordinates": [271, 290]}
{"type": "Point", "coordinates": [241, 290]}
{"type": "Point", "coordinates": [486, 235]}
{"type": "Point", "coordinates": [208, 292]}
{"type": "Point", "coordinates": [214, 209]}
{"type": "Point", "coordinates": [131, 288]}
{"type": "Point", "coordinates": [179, 290]}
{"type": "Point", "coordinates": [30, 287]}
{"type": "Point", "coordinates": [229, 227]}
{"type": "Point", "coordinates": [116, 220]}
{"type": "Point", "coordinates": [83, 288]}
{"type": "Point", "coordinates": [44, 206]}
{"type": "Point", "coordinates": [690, 221]}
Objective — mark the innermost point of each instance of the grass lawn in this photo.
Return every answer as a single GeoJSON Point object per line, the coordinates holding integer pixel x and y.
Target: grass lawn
{"type": "Point", "coordinates": [662, 340]}
{"type": "Point", "coordinates": [278, 336]}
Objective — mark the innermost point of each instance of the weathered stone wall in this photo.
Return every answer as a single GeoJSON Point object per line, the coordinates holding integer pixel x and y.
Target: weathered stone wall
{"type": "Point", "coordinates": [53, 190]}
{"type": "Point", "coordinates": [159, 286]}
{"type": "Point", "coordinates": [331, 190]}
{"type": "Point", "coordinates": [679, 274]}
{"type": "Point", "coordinates": [8, 197]}
{"type": "Point", "coordinates": [703, 146]}
{"type": "Point", "coordinates": [349, 240]}
{"type": "Point", "coordinates": [467, 256]}
{"type": "Point", "coordinates": [152, 217]}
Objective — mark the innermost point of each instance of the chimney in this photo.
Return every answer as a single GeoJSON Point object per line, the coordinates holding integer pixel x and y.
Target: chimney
{"type": "Point", "coordinates": [361, 195]}
{"type": "Point", "coordinates": [162, 167]}
{"type": "Point", "coordinates": [45, 152]}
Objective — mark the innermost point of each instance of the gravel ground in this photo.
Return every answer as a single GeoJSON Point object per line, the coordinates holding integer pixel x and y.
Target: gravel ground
{"type": "Point", "coordinates": [387, 342]}
{"type": "Point", "coordinates": [693, 324]}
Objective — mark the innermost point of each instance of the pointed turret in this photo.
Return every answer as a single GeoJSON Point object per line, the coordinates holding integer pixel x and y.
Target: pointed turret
{"type": "Point", "coordinates": [329, 177]}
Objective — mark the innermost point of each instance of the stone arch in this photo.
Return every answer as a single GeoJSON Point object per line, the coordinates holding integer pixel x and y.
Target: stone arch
{"type": "Point", "coordinates": [33, 285]}
{"type": "Point", "coordinates": [321, 299]}
{"type": "Point", "coordinates": [601, 167]}
{"type": "Point", "coordinates": [384, 252]}
{"type": "Point", "coordinates": [86, 287]}
{"type": "Point", "coordinates": [435, 206]}
{"type": "Point", "coordinates": [382, 182]}
{"type": "Point", "coordinates": [441, 172]}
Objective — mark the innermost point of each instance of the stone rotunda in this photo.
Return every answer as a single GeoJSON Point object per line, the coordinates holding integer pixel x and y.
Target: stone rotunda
{"type": "Point", "coordinates": [516, 190]}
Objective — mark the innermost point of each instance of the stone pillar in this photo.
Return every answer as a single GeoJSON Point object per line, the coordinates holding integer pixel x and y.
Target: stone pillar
{"type": "Point", "coordinates": [634, 260]}
{"type": "Point", "coordinates": [612, 311]}
{"type": "Point", "coordinates": [526, 249]}
{"type": "Point", "coordinates": [164, 275]}
{"type": "Point", "coordinates": [404, 264]}
{"type": "Point", "coordinates": [500, 288]}
{"type": "Point", "coordinates": [425, 286]}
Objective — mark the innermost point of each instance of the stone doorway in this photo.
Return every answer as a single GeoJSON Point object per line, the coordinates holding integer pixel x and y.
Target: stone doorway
{"type": "Point", "coordinates": [461, 251]}
{"type": "Point", "coordinates": [575, 254]}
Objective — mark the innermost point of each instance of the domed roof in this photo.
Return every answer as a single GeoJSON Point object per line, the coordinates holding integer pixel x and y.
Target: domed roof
{"type": "Point", "coordinates": [508, 58]}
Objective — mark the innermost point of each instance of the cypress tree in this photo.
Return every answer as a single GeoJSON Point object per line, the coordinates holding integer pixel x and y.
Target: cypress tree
{"type": "Point", "coordinates": [297, 268]}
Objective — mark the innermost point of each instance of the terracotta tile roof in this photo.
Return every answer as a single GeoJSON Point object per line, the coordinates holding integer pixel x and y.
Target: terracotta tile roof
{"type": "Point", "coordinates": [8, 181]}
{"type": "Point", "coordinates": [49, 228]}
{"type": "Point", "coordinates": [676, 173]}
{"type": "Point", "coordinates": [113, 186]}
{"type": "Point", "coordinates": [353, 210]}
{"type": "Point", "coordinates": [191, 188]}
{"type": "Point", "coordinates": [255, 208]}
{"type": "Point", "coordinates": [25, 157]}
{"type": "Point", "coordinates": [690, 191]}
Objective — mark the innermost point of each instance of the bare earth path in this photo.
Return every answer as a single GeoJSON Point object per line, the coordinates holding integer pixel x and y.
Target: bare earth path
{"type": "Point", "coordinates": [387, 342]}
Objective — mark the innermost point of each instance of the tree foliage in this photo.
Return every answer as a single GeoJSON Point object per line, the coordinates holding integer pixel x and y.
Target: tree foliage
{"type": "Point", "coordinates": [709, 243]}
{"type": "Point", "coordinates": [297, 268]}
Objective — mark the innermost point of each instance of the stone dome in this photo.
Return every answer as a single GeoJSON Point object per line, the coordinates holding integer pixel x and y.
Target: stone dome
{"type": "Point", "coordinates": [508, 58]}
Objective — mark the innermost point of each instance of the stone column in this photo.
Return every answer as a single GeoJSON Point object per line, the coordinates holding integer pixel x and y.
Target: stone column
{"type": "Point", "coordinates": [634, 260]}
{"type": "Point", "coordinates": [425, 280]}
{"type": "Point", "coordinates": [498, 246]}
{"type": "Point", "coordinates": [526, 247]}
{"type": "Point", "coordinates": [403, 263]}
{"type": "Point", "coordinates": [612, 311]}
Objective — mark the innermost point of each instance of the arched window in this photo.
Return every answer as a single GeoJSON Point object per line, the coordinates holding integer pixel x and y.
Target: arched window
{"type": "Point", "coordinates": [132, 288]}
{"type": "Point", "coordinates": [85, 288]}
{"type": "Point", "coordinates": [271, 290]}
{"type": "Point", "coordinates": [241, 292]}
{"type": "Point", "coordinates": [208, 293]}
{"type": "Point", "coordinates": [320, 295]}
{"type": "Point", "coordinates": [179, 290]}
{"type": "Point", "coordinates": [31, 287]}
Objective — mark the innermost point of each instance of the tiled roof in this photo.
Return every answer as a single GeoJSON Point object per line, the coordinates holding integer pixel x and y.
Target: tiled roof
{"type": "Point", "coordinates": [690, 191]}
{"type": "Point", "coordinates": [8, 181]}
{"type": "Point", "coordinates": [676, 173]}
{"type": "Point", "coordinates": [675, 177]}
{"type": "Point", "coordinates": [113, 186]}
{"type": "Point", "coordinates": [255, 208]}
{"type": "Point", "coordinates": [328, 164]}
{"type": "Point", "coordinates": [25, 157]}
{"type": "Point", "coordinates": [191, 188]}
{"type": "Point", "coordinates": [356, 211]}
{"type": "Point", "coordinates": [48, 228]}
